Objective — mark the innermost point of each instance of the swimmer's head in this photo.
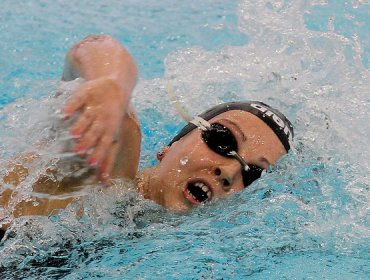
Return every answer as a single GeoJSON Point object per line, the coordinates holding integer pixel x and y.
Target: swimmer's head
{"type": "Point", "coordinates": [236, 143]}
{"type": "Point", "coordinates": [281, 126]}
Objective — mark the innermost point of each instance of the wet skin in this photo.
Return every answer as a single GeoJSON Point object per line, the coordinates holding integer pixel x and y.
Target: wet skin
{"type": "Point", "coordinates": [167, 182]}
{"type": "Point", "coordinates": [107, 126]}
{"type": "Point", "coordinates": [189, 160]}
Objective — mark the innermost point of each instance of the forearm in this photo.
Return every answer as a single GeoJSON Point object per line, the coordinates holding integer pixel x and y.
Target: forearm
{"type": "Point", "coordinates": [101, 56]}
{"type": "Point", "coordinates": [110, 74]}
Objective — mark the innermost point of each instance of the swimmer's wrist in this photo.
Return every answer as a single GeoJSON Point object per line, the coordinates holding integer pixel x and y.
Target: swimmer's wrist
{"type": "Point", "coordinates": [115, 85]}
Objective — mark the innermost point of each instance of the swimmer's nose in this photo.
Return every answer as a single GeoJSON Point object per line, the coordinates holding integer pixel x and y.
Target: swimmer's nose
{"type": "Point", "coordinates": [227, 175]}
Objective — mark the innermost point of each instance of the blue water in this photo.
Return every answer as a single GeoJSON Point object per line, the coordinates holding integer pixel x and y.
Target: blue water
{"type": "Point", "coordinates": [34, 48]}
{"type": "Point", "coordinates": [306, 220]}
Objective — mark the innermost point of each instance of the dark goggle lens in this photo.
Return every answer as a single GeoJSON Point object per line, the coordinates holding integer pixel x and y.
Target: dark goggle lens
{"type": "Point", "coordinates": [251, 175]}
{"type": "Point", "coordinates": [220, 140]}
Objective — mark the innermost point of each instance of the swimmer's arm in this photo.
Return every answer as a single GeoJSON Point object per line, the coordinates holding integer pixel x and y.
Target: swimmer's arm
{"type": "Point", "coordinates": [13, 205]}
{"type": "Point", "coordinates": [110, 74]}
{"type": "Point", "coordinates": [101, 56]}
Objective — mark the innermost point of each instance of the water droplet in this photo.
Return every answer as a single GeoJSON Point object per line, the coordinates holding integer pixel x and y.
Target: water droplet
{"type": "Point", "coordinates": [184, 160]}
{"type": "Point", "coordinates": [35, 203]}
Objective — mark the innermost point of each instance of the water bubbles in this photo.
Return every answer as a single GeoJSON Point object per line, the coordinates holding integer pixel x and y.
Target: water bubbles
{"type": "Point", "coordinates": [184, 160]}
{"type": "Point", "coordinates": [35, 203]}
{"type": "Point", "coordinates": [304, 74]}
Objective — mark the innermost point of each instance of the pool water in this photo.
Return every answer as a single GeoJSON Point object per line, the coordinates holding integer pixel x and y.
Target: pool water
{"type": "Point", "coordinates": [308, 219]}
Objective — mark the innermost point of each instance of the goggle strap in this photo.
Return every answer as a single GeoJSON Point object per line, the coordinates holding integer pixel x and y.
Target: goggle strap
{"type": "Point", "coordinates": [243, 163]}
{"type": "Point", "coordinates": [197, 121]}
{"type": "Point", "coordinates": [176, 103]}
{"type": "Point", "coordinates": [201, 123]}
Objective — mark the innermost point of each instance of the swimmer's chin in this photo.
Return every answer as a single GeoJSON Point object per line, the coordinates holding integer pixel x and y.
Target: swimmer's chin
{"type": "Point", "coordinates": [183, 207]}
{"type": "Point", "coordinates": [179, 207]}
{"type": "Point", "coordinates": [187, 203]}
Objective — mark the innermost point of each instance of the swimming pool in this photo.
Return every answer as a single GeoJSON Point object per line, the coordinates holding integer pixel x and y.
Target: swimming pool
{"type": "Point", "coordinates": [307, 220]}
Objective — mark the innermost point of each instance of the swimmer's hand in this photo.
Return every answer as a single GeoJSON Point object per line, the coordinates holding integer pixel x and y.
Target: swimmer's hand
{"type": "Point", "coordinates": [102, 105]}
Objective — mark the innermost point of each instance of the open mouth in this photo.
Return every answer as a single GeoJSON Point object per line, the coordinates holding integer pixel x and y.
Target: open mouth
{"type": "Point", "coordinates": [198, 192]}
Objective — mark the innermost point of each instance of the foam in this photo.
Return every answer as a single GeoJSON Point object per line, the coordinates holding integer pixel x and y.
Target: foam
{"type": "Point", "coordinates": [313, 205]}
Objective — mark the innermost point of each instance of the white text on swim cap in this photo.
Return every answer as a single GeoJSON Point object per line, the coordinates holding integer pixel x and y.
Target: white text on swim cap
{"type": "Point", "coordinates": [274, 117]}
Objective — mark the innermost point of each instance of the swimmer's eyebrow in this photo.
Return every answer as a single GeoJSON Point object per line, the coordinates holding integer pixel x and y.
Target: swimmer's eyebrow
{"type": "Point", "coordinates": [236, 126]}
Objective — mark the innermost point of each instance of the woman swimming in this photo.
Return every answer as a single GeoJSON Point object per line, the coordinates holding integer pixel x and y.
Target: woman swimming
{"type": "Point", "coordinates": [226, 148]}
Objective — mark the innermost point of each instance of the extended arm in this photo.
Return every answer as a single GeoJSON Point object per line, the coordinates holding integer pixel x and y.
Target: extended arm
{"type": "Point", "coordinates": [106, 126]}
{"type": "Point", "coordinates": [110, 75]}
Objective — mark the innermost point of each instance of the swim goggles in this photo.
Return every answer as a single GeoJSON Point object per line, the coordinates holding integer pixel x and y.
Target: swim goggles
{"type": "Point", "coordinates": [218, 138]}
{"type": "Point", "coordinates": [223, 142]}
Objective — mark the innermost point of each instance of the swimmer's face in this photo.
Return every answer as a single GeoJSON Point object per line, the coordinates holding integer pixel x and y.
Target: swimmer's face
{"type": "Point", "coordinates": [190, 173]}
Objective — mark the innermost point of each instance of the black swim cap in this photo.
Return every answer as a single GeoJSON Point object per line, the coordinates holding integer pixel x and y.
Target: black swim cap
{"type": "Point", "coordinates": [272, 117]}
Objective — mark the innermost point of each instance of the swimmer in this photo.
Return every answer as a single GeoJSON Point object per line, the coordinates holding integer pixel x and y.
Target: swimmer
{"type": "Point", "coordinates": [226, 148]}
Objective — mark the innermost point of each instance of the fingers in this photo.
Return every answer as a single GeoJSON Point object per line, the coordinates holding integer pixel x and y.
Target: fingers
{"type": "Point", "coordinates": [101, 149]}
{"type": "Point", "coordinates": [89, 138]}
{"type": "Point", "coordinates": [83, 122]}
{"type": "Point", "coordinates": [75, 102]}
{"type": "Point", "coordinates": [101, 114]}
{"type": "Point", "coordinates": [106, 166]}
